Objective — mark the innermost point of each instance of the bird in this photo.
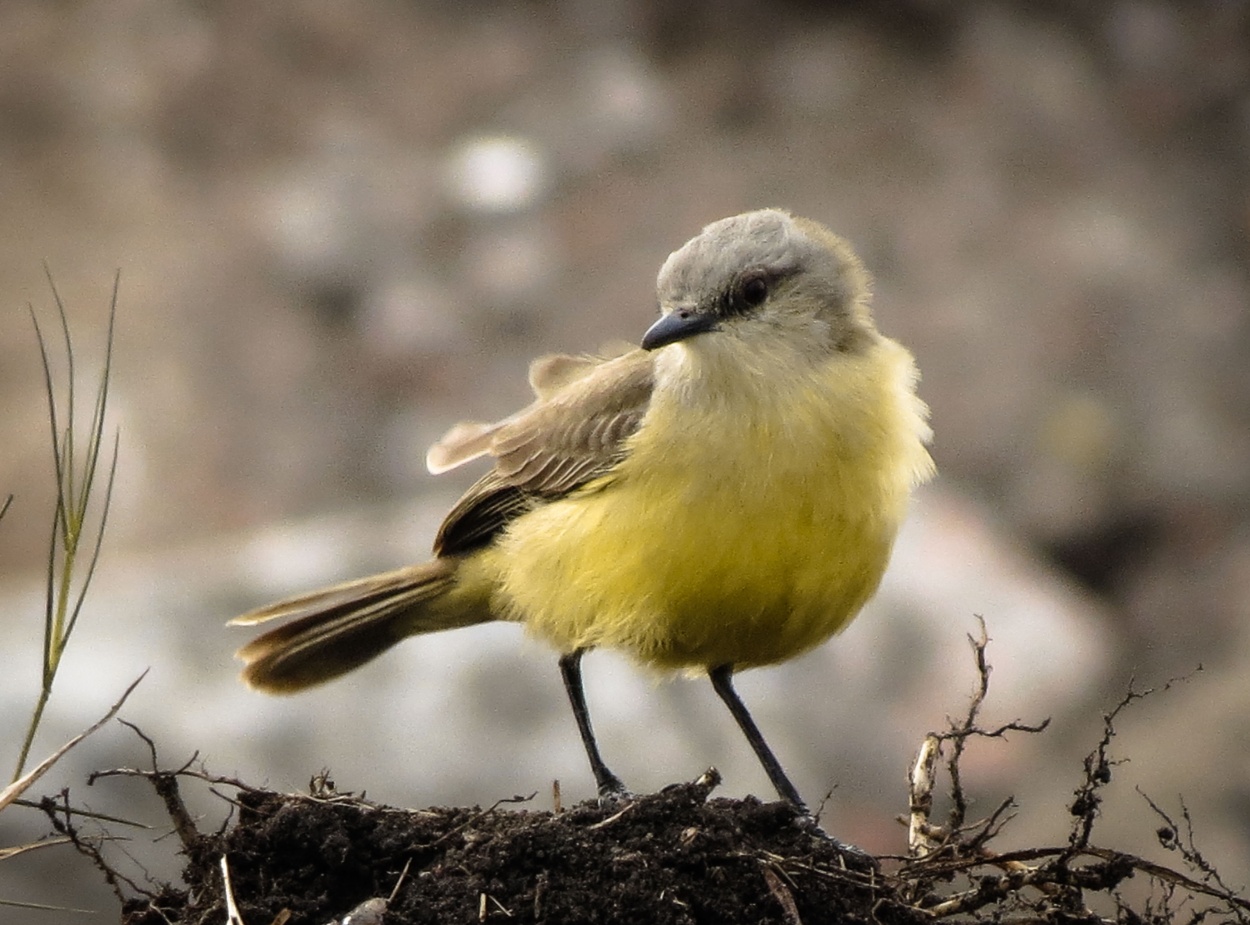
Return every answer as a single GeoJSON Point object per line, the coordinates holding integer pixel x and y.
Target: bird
{"type": "Point", "coordinates": [723, 496]}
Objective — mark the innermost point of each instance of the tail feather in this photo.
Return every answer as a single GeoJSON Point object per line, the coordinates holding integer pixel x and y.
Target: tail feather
{"type": "Point", "coordinates": [340, 628]}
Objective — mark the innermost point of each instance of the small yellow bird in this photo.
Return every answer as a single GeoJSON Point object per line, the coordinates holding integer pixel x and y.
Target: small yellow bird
{"type": "Point", "coordinates": [724, 497]}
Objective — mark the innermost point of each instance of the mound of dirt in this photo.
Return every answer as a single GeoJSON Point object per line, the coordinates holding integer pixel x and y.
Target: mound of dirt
{"type": "Point", "coordinates": [672, 857]}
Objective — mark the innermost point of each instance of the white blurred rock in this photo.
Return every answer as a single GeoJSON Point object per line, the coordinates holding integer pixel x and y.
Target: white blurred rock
{"type": "Point", "coordinates": [497, 174]}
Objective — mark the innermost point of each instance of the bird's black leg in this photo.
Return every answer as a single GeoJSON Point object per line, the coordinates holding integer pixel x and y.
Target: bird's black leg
{"type": "Point", "coordinates": [722, 682]}
{"type": "Point", "coordinates": [571, 670]}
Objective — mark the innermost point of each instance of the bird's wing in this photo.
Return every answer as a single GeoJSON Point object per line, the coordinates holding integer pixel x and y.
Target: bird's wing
{"type": "Point", "coordinates": [574, 432]}
{"type": "Point", "coordinates": [548, 375]}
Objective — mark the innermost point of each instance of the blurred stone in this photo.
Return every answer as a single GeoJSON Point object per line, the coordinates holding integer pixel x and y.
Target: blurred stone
{"type": "Point", "coordinates": [512, 264]}
{"type": "Point", "coordinates": [410, 314]}
{"type": "Point", "coordinates": [624, 108]}
{"type": "Point", "coordinates": [497, 174]}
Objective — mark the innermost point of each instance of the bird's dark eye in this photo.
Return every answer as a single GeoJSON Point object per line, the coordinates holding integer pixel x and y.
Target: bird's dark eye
{"type": "Point", "coordinates": [754, 291]}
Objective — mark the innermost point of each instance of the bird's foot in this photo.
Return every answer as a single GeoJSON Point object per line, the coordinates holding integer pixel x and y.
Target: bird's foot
{"type": "Point", "coordinates": [613, 793]}
{"type": "Point", "coordinates": [853, 857]}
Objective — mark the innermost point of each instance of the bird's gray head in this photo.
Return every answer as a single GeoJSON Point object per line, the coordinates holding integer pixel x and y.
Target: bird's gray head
{"type": "Point", "coordinates": [763, 266]}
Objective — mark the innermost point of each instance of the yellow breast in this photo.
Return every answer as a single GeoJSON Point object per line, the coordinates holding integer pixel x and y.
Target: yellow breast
{"type": "Point", "coordinates": [742, 528]}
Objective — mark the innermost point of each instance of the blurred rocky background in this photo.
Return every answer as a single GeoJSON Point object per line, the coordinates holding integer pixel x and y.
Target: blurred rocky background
{"type": "Point", "coordinates": [343, 227]}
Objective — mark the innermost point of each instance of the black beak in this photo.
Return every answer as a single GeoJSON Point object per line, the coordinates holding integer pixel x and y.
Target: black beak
{"type": "Point", "coordinates": [678, 325]}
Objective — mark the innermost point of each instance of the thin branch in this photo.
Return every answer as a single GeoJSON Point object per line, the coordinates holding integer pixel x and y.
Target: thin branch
{"type": "Point", "coordinates": [86, 814]}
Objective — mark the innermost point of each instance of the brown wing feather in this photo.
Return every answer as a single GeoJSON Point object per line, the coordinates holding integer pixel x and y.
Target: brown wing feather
{"type": "Point", "coordinates": [575, 434]}
{"type": "Point", "coordinates": [548, 375]}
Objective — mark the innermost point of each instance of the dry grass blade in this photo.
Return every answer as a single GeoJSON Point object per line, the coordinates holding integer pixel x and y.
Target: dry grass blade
{"type": "Point", "coordinates": [233, 916]}
{"type": "Point", "coordinates": [15, 850]}
{"type": "Point", "coordinates": [781, 892]}
{"type": "Point", "coordinates": [19, 786]}
{"type": "Point", "coordinates": [43, 907]}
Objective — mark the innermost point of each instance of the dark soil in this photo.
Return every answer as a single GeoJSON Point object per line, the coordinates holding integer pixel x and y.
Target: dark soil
{"type": "Point", "coordinates": [673, 857]}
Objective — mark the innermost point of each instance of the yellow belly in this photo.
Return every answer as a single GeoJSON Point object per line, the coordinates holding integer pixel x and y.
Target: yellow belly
{"type": "Point", "coordinates": [742, 533]}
